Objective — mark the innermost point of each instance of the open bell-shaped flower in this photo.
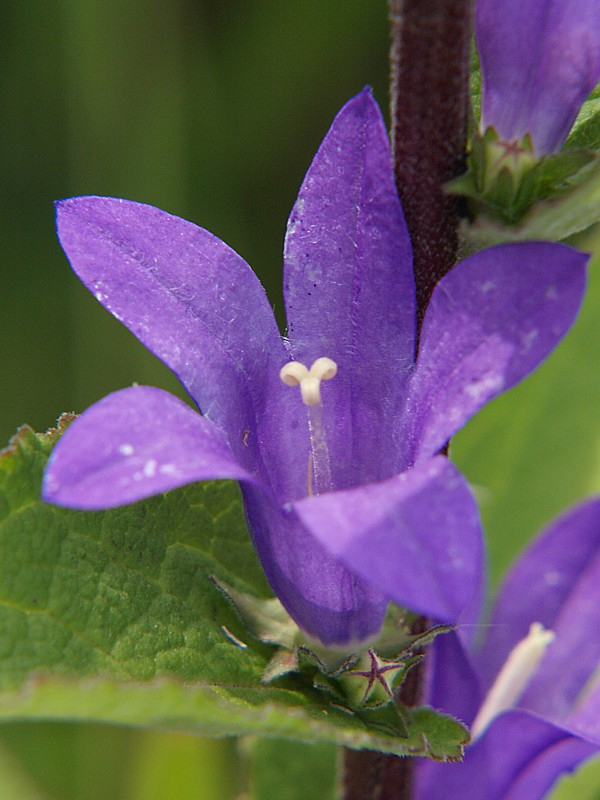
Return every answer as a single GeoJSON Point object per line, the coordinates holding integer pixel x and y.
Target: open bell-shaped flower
{"type": "Point", "coordinates": [531, 693]}
{"type": "Point", "coordinates": [333, 432]}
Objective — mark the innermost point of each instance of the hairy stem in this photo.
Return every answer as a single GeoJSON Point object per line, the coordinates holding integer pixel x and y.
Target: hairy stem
{"type": "Point", "coordinates": [429, 96]}
{"type": "Point", "coordinates": [429, 104]}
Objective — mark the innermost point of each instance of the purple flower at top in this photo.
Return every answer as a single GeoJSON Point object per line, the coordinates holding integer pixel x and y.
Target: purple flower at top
{"type": "Point", "coordinates": [540, 59]}
{"type": "Point", "coordinates": [333, 431]}
{"type": "Point", "coordinates": [532, 692]}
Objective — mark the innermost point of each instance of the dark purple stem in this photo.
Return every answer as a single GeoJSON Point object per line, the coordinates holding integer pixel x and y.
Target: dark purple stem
{"type": "Point", "coordinates": [429, 95]}
{"type": "Point", "coordinates": [430, 104]}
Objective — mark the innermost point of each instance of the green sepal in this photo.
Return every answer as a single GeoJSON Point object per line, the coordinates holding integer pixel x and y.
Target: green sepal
{"type": "Point", "coordinates": [573, 207]}
{"type": "Point", "coordinates": [362, 693]}
{"type": "Point", "coordinates": [359, 679]}
{"type": "Point", "coordinates": [265, 618]}
{"type": "Point", "coordinates": [505, 180]}
{"type": "Point", "coordinates": [501, 191]}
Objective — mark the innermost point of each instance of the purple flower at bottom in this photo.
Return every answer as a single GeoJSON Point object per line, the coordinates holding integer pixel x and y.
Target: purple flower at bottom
{"type": "Point", "coordinates": [347, 502]}
{"type": "Point", "coordinates": [537, 670]}
{"type": "Point", "coordinates": [540, 59]}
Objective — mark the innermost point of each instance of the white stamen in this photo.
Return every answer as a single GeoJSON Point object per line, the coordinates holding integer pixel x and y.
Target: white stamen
{"type": "Point", "coordinates": [310, 389]}
{"type": "Point", "coordinates": [309, 476]}
{"type": "Point", "coordinates": [309, 380]}
{"type": "Point", "coordinates": [294, 373]}
{"type": "Point", "coordinates": [319, 451]}
{"type": "Point", "coordinates": [514, 677]}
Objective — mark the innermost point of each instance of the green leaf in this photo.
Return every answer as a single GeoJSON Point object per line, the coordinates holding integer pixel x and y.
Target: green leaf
{"type": "Point", "coordinates": [112, 616]}
{"type": "Point", "coordinates": [586, 130]}
{"type": "Point", "coordinates": [283, 770]}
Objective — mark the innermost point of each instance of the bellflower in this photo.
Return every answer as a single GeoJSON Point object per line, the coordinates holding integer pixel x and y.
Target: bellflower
{"type": "Point", "coordinates": [333, 432]}
{"type": "Point", "coordinates": [539, 62]}
{"type": "Point", "coordinates": [537, 670]}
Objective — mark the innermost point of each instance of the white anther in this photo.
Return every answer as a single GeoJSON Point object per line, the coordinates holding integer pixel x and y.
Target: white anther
{"type": "Point", "coordinates": [294, 373]}
{"type": "Point", "coordinates": [324, 369]}
{"type": "Point", "coordinates": [514, 677]}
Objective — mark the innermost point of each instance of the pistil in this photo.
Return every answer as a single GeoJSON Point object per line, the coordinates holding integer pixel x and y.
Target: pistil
{"type": "Point", "coordinates": [514, 677]}
{"type": "Point", "coordinates": [296, 374]}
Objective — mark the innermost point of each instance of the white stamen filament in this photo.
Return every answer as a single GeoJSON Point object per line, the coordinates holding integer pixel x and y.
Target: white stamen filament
{"type": "Point", "coordinates": [309, 380]}
{"type": "Point", "coordinates": [514, 677]}
{"type": "Point", "coordinates": [319, 450]}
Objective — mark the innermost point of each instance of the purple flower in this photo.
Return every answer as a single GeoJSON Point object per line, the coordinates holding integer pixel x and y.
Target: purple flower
{"type": "Point", "coordinates": [539, 61]}
{"type": "Point", "coordinates": [347, 502]}
{"type": "Point", "coordinates": [537, 670]}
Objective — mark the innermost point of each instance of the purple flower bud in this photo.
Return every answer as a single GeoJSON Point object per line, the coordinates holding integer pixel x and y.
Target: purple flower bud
{"type": "Point", "coordinates": [540, 59]}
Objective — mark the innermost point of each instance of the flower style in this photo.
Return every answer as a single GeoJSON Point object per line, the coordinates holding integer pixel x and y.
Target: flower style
{"type": "Point", "coordinates": [333, 432]}
{"type": "Point", "coordinates": [541, 713]}
{"type": "Point", "coordinates": [539, 62]}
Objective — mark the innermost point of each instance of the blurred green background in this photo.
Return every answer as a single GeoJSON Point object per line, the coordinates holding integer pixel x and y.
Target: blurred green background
{"type": "Point", "coordinates": [212, 110]}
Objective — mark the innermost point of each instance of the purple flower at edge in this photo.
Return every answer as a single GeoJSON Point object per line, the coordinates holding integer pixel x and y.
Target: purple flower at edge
{"type": "Point", "coordinates": [540, 59]}
{"type": "Point", "coordinates": [553, 724]}
{"type": "Point", "coordinates": [348, 503]}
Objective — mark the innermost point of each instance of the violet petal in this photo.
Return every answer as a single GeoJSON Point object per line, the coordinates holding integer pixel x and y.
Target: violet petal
{"type": "Point", "coordinates": [539, 61]}
{"type": "Point", "coordinates": [135, 443]}
{"type": "Point", "coordinates": [452, 684]}
{"type": "Point", "coordinates": [349, 290]}
{"type": "Point", "coordinates": [585, 717]}
{"type": "Point", "coordinates": [520, 757]}
{"type": "Point", "coordinates": [416, 536]}
{"type": "Point", "coordinates": [325, 599]}
{"type": "Point", "coordinates": [187, 296]}
{"type": "Point", "coordinates": [490, 321]}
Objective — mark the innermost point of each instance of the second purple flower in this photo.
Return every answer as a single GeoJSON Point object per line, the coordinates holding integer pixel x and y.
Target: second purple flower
{"type": "Point", "coordinates": [540, 59]}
